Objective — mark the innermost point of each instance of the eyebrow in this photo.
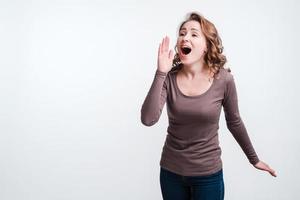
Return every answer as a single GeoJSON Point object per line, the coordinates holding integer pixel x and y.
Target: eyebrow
{"type": "Point", "coordinates": [191, 29]}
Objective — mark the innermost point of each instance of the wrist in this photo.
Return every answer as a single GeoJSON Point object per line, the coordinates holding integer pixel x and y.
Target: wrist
{"type": "Point", "coordinates": [159, 72]}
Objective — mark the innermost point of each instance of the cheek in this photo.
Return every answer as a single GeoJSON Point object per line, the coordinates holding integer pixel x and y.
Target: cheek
{"type": "Point", "coordinates": [201, 46]}
{"type": "Point", "coordinates": [203, 42]}
{"type": "Point", "coordinates": [177, 47]}
{"type": "Point", "coordinates": [177, 43]}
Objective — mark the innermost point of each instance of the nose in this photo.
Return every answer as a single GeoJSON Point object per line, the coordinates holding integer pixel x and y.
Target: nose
{"type": "Point", "coordinates": [186, 37]}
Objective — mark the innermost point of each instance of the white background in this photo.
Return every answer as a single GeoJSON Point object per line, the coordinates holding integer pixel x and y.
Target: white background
{"type": "Point", "coordinates": [74, 75]}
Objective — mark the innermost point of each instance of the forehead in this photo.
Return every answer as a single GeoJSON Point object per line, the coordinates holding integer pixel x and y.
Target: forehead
{"type": "Point", "coordinates": [191, 25]}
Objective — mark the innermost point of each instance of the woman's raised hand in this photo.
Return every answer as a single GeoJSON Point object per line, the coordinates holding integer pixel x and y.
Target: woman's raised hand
{"type": "Point", "coordinates": [165, 56]}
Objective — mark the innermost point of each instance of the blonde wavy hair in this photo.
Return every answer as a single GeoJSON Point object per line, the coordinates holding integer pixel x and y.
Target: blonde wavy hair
{"type": "Point", "coordinates": [213, 58]}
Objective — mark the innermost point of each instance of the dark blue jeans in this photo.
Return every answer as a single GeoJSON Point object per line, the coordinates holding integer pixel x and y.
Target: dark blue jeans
{"type": "Point", "coordinates": [177, 187]}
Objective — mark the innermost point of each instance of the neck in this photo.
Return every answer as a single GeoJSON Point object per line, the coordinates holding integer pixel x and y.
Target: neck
{"type": "Point", "coordinates": [196, 70]}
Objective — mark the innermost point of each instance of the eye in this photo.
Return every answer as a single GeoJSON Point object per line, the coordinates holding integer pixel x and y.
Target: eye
{"type": "Point", "coordinates": [195, 35]}
{"type": "Point", "coordinates": [181, 34]}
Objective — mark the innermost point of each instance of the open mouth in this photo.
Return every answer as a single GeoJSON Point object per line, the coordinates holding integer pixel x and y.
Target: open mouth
{"type": "Point", "coordinates": [186, 50]}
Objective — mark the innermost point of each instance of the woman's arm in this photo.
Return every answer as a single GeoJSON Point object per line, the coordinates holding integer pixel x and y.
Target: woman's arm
{"type": "Point", "coordinates": [155, 99]}
{"type": "Point", "coordinates": [237, 127]}
{"type": "Point", "coordinates": [234, 121]}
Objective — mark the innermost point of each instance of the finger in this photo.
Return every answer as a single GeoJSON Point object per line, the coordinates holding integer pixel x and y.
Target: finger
{"type": "Point", "coordinates": [273, 173]}
{"type": "Point", "coordinates": [171, 54]}
{"type": "Point", "coordinates": [163, 45]}
{"type": "Point", "coordinates": [167, 43]}
{"type": "Point", "coordinates": [159, 49]}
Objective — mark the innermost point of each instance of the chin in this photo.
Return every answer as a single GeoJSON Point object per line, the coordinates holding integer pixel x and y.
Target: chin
{"type": "Point", "coordinates": [187, 62]}
{"type": "Point", "coordinates": [190, 61]}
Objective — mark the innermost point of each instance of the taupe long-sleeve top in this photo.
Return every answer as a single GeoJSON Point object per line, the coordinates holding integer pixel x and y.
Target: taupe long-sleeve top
{"type": "Point", "coordinates": [192, 146]}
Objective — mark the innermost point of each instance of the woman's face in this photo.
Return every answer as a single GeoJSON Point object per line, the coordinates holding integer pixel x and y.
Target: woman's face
{"type": "Point", "coordinates": [191, 43]}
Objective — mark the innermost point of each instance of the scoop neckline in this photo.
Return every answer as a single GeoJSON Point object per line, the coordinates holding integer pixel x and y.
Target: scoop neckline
{"type": "Point", "coordinates": [193, 96]}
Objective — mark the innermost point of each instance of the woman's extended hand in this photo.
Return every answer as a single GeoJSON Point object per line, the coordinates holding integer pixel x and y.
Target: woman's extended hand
{"type": "Point", "coordinates": [165, 56]}
{"type": "Point", "coordinates": [263, 166]}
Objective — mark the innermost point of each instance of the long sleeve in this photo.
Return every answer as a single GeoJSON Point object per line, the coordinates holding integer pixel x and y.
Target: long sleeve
{"type": "Point", "coordinates": [155, 99]}
{"type": "Point", "coordinates": [234, 122]}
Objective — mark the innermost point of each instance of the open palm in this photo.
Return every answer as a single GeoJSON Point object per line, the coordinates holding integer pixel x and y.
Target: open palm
{"type": "Point", "coordinates": [165, 56]}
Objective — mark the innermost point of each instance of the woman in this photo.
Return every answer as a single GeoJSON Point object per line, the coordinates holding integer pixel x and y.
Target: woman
{"type": "Point", "coordinates": [195, 85]}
